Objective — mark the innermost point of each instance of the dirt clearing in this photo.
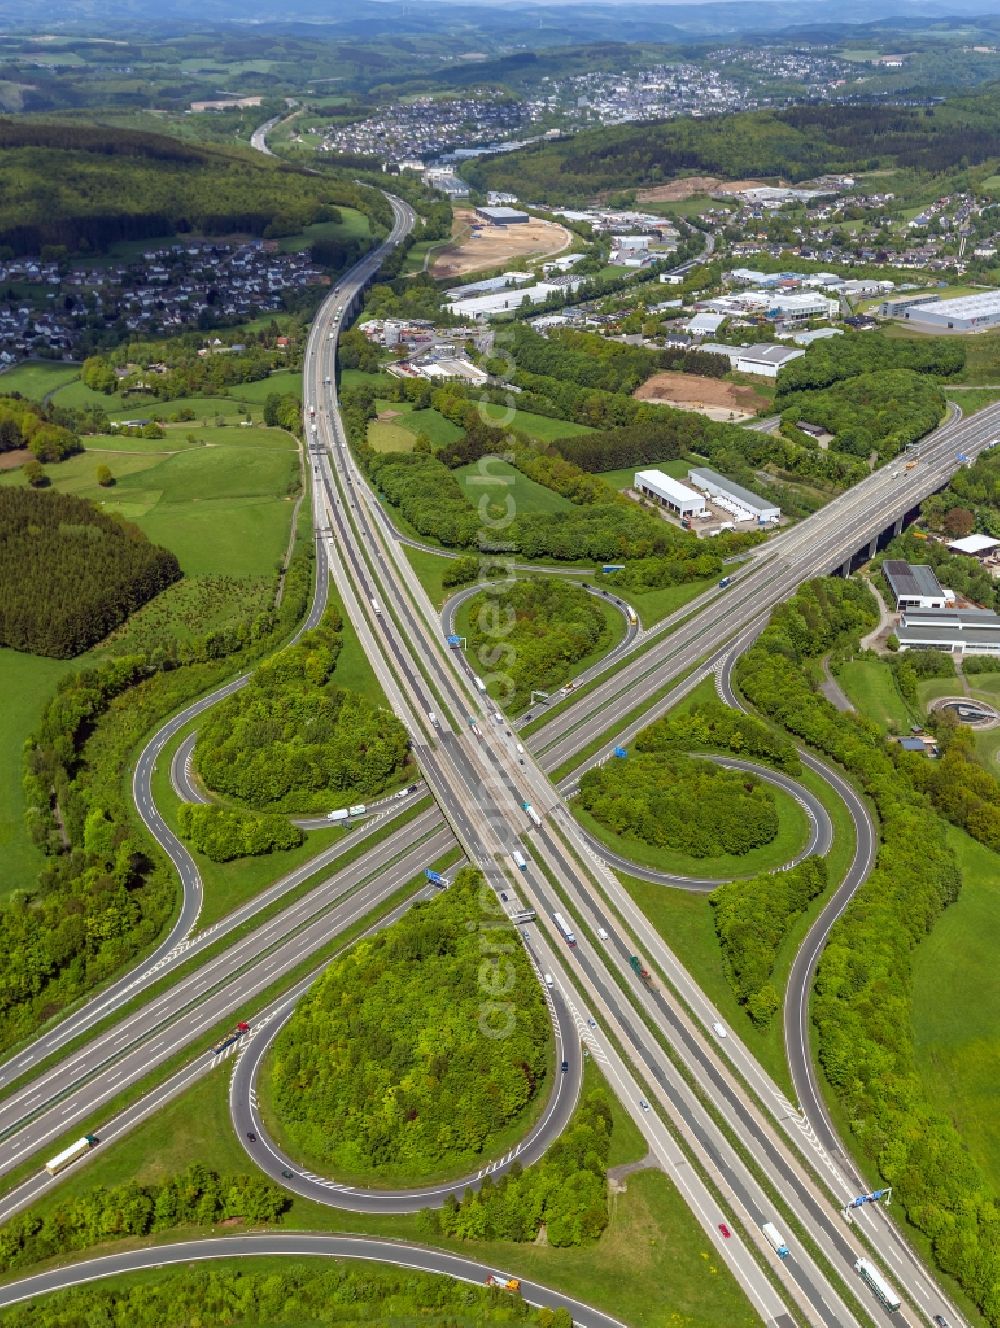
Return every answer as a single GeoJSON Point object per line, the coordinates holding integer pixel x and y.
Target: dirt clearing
{"type": "Point", "coordinates": [475, 244]}
{"type": "Point", "coordinates": [676, 191]}
{"type": "Point", "coordinates": [709, 396]}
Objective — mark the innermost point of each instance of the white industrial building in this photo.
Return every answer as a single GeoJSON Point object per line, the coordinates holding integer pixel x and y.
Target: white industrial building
{"type": "Point", "coordinates": [914, 586]}
{"type": "Point", "coordinates": [966, 313]}
{"type": "Point", "coordinates": [485, 306]}
{"type": "Point", "coordinates": [744, 505]}
{"type": "Point", "coordinates": [969, 631]}
{"type": "Point", "coordinates": [765, 359]}
{"type": "Point", "coordinates": [669, 492]}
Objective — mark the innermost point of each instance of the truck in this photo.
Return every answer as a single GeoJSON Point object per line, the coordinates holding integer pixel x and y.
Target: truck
{"type": "Point", "coordinates": [229, 1038]}
{"type": "Point", "coordinates": [433, 718]}
{"type": "Point", "coordinates": [613, 567]}
{"type": "Point", "coordinates": [883, 1291]}
{"type": "Point", "coordinates": [480, 685]}
{"type": "Point", "coordinates": [358, 809]}
{"type": "Point", "coordinates": [775, 1239]}
{"type": "Point", "coordinates": [533, 816]}
{"type": "Point", "coordinates": [725, 582]}
{"type": "Point", "coordinates": [632, 617]}
{"type": "Point", "coordinates": [341, 814]}
{"type": "Point", "coordinates": [910, 465]}
{"type": "Point", "coordinates": [434, 877]}
{"type": "Point", "coordinates": [70, 1155]}
{"type": "Point", "coordinates": [312, 411]}
{"type": "Point", "coordinates": [519, 860]}
{"type": "Point", "coordinates": [564, 927]}
{"type": "Point", "coordinates": [640, 970]}
{"type": "Point", "coordinates": [504, 1282]}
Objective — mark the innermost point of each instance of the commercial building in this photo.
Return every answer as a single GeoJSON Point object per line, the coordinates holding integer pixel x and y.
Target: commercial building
{"type": "Point", "coordinates": [969, 631]}
{"type": "Point", "coordinates": [976, 546]}
{"type": "Point", "coordinates": [765, 359]}
{"type": "Point", "coordinates": [967, 313]}
{"type": "Point", "coordinates": [898, 307]}
{"type": "Point", "coordinates": [914, 585]}
{"type": "Point", "coordinates": [744, 505]}
{"type": "Point", "coordinates": [502, 301]}
{"type": "Point", "coordinates": [669, 492]}
{"type": "Point", "coordinates": [502, 216]}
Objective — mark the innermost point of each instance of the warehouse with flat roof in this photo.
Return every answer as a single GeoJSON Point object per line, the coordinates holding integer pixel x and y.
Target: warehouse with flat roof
{"type": "Point", "coordinates": [502, 216]}
{"type": "Point", "coordinates": [744, 505]}
{"type": "Point", "coordinates": [969, 631]}
{"type": "Point", "coordinates": [914, 585]}
{"type": "Point", "coordinates": [966, 313]}
{"type": "Point", "coordinates": [668, 492]}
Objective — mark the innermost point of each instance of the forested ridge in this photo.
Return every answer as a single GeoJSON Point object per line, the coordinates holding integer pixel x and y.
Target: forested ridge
{"type": "Point", "coordinates": [86, 187]}
{"type": "Point", "coordinates": [399, 1059]}
{"type": "Point", "coordinates": [293, 740]}
{"type": "Point", "coordinates": [794, 144]}
{"type": "Point", "coordinates": [69, 573]}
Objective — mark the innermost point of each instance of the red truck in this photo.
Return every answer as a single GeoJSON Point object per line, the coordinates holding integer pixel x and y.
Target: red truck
{"type": "Point", "coordinates": [232, 1036]}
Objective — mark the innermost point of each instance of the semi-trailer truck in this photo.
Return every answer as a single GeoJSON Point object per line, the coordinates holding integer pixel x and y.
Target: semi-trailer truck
{"type": "Point", "coordinates": [519, 861]}
{"type": "Point", "coordinates": [232, 1036]}
{"type": "Point", "coordinates": [639, 968]}
{"type": "Point", "coordinates": [564, 927]}
{"type": "Point", "coordinates": [341, 814]}
{"type": "Point", "coordinates": [504, 1282]}
{"type": "Point", "coordinates": [533, 816]}
{"type": "Point", "coordinates": [775, 1239]}
{"type": "Point", "coordinates": [69, 1155]}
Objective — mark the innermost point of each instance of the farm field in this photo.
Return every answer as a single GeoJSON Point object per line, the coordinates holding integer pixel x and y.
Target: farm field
{"type": "Point", "coordinates": [526, 495]}
{"type": "Point", "coordinates": [542, 427]}
{"type": "Point", "coordinates": [36, 378]}
{"type": "Point", "coordinates": [491, 246]}
{"type": "Point", "coordinates": [714, 397]}
{"type": "Point", "coordinates": [956, 1024]}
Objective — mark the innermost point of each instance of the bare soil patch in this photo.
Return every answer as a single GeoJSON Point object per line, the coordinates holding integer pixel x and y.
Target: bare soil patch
{"type": "Point", "coordinates": [11, 460]}
{"type": "Point", "coordinates": [492, 246]}
{"type": "Point", "coordinates": [709, 396]}
{"type": "Point", "coordinates": [676, 191]}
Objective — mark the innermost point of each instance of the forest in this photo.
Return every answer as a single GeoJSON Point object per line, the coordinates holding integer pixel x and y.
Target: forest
{"type": "Point", "coordinates": [711, 726]}
{"type": "Point", "coordinates": [548, 625]}
{"type": "Point", "coordinates": [81, 188]}
{"type": "Point", "coordinates": [292, 740]}
{"type": "Point", "coordinates": [46, 435]}
{"type": "Point", "coordinates": [224, 833]}
{"type": "Point", "coordinates": [298, 1292]}
{"type": "Point", "coordinates": [197, 1197]}
{"type": "Point", "coordinates": [678, 802]}
{"type": "Point", "coordinates": [794, 144]}
{"type": "Point", "coordinates": [861, 1003]}
{"type": "Point", "coordinates": [406, 1020]}
{"type": "Point", "coordinates": [566, 1192]}
{"type": "Point", "coordinates": [877, 412]}
{"type": "Point", "coordinates": [69, 573]}
{"type": "Point", "coordinates": [838, 358]}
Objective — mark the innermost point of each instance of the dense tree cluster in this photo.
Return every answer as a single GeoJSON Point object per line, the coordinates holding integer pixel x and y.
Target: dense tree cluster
{"type": "Point", "coordinates": [69, 573]}
{"type": "Point", "coordinates": [104, 894]}
{"type": "Point", "coordinates": [185, 373]}
{"type": "Point", "coordinates": [427, 495]}
{"type": "Point", "coordinates": [566, 1192]}
{"type": "Point", "coordinates": [874, 412]}
{"type": "Point", "coordinates": [294, 740]}
{"type": "Point", "coordinates": [678, 802]}
{"type": "Point", "coordinates": [84, 187]}
{"type": "Point", "coordinates": [404, 1056]}
{"type": "Point", "coordinates": [714, 727]}
{"type": "Point", "coordinates": [532, 633]}
{"type": "Point", "coordinates": [861, 1004]}
{"type": "Point", "coordinates": [795, 143]}
{"type": "Point", "coordinates": [752, 918]}
{"type": "Point", "coordinates": [959, 787]}
{"type": "Point", "coordinates": [974, 489]}
{"type": "Point", "coordinates": [839, 358]}
{"type": "Point", "coordinates": [304, 1292]}
{"type": "Point", "coordinates": [197, 1196]}
{"type": "Point", "coordinates": [36, 427]}
{"type": "Point", "coordinates": [223, 833]}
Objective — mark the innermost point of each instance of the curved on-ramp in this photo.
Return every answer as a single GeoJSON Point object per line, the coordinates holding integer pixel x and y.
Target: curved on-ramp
{"type": "Point", "coordinates": [294, 1245]}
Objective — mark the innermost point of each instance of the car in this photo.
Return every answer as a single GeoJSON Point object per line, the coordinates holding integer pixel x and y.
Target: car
{"type": "Point", "coordinates": [403, 793]}
{"type": "Point", "coordinates": [548, 979]}
{"type": "Point", "coordinates": [644, 1104]}
{"type": "Point", "coordinates": [288, 1174]}
{"type": "Point", "coordinates": [719, 1030]}
{"type": "Point", "coordinates": [503, 896]}
{"type": "Point", "coordinates": [941, 1321]}
{"type": "Point", "coordinates": [564, 1066]}
{"type": "Point", "coordinates": [725, 1230]}
{"type": "Point", "coordinates": [251, 1136]}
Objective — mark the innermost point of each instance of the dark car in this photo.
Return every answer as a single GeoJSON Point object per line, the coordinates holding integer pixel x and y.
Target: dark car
{"type": "Point", "coordinates": [564, 1067]}
{"type": "Point", "coordinates": [725, 1230]}
{"type": "Point", "coordinates": [288, 1174]}
{"type": "Point", "coordinates": [941, 1321]}
{"type": "Point", "coordinates": [251, 1136]}
{"type": "Point", "coordinates": [503, 896]}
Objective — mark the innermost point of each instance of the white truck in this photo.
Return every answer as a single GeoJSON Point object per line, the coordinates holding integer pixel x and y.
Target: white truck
{"type": "Point", "coordinates": [358, 809]}
{"type": "Point", "coordinates": [775, 1239]}
{"type": "Point", "coordinates": [519, 860]}
{"type": "Point", "coordinates": [341, 814]}
{"type": "Point", "coordinates": [70, 1155]}
{"type": "Point", "coordinates": [533, 816]}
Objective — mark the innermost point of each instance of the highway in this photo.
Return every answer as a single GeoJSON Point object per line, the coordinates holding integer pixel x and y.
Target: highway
{"type": "Point", "coordinates": [296, 1245]}
{"type": "Point", "coordinates": [479, 784]}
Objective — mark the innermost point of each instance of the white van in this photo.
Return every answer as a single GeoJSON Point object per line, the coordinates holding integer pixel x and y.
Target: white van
{"type": "Point", "coordinates": [602, 933]}
{"type": "Point", "coordinates": [548, 979]}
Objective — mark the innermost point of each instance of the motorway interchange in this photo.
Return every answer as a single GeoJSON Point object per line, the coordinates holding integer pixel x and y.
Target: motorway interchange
{"type": "Point", "coordinates": [739, 1152]}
